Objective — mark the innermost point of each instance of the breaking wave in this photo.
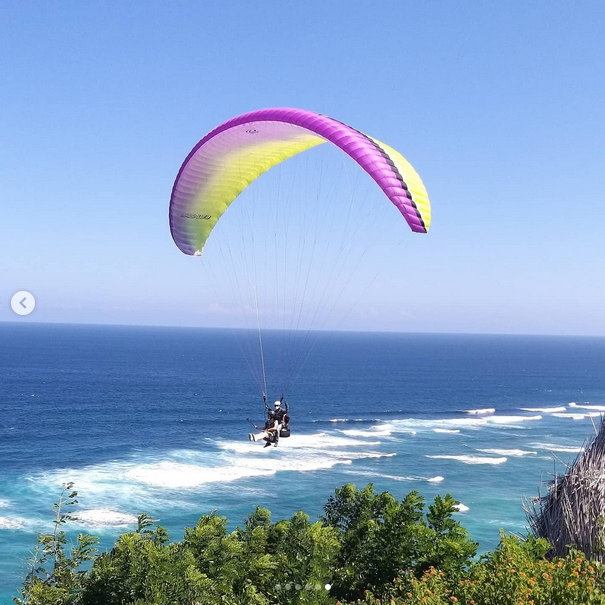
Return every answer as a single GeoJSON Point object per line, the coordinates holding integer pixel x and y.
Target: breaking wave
{"type": "Point", "coordinates": [578, 416]}
{"type": "Point", "coordinates": [175, 475]}
{"type": "Point", "coordinates": [347, 420]}
{"type": "Point", "coordinates": [394, 477]}
{"type": "Point", "coordinates": [600, 408]}
{"type": "Point", "coordinates": [384, 476]}
{"type": "Point", "coordinates": [545, 410]}
{"type": "Point", "coordinates": [514, 453]}
{"type": "Point", "coordinates": [513, 419]}
{"type": "Point", "coordinates": [190, 469]}
{"type": "Point", "coordinates": [462, 508]}
{"type": "Point", "coordinates": [13, 523]}
{"type": "Point", "coordinates": [472, 459]}
{"type": "Point", "coordinates": [558, 448]}
{"type": "Point", "coordinates": [375, 431]}
{"type": "Point", "coordinates": [325, 440]}
{"type": "Point", "coordinates": [414, 424]}
{"type": "Point", "coordinates": [104, 517]}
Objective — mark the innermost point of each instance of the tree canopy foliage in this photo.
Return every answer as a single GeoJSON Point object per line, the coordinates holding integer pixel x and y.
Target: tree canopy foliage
{"type": "Point", "coordinates": [366, 547]}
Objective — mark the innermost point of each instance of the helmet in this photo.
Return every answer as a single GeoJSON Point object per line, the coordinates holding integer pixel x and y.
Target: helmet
{"type": "Point", "coordinates": [277, 404]}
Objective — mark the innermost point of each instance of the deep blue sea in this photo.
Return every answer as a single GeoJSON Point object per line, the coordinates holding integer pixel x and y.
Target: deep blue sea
{"type": "Point", "coordinates": [154, 420]}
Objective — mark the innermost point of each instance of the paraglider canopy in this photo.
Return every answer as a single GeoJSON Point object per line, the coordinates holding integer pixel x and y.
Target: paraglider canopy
{"type": "Point", "coordinates": [237, 152]}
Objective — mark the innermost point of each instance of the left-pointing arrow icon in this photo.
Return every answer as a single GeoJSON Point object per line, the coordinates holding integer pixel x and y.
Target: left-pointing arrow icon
{"type": "Point", "coordinates": [23, 303]}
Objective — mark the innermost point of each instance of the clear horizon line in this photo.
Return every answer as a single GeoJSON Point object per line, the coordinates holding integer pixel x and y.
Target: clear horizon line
{"type": "Point", "coordinates": [198, 327]}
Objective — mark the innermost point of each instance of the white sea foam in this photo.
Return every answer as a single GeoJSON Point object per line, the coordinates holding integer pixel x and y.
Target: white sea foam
{"type": "Point", "coordinates": [348, 420]}
{"type": "Point", "coordinates": [374, 431]}
{"type": "Point", "coordinates": [517, 453]}
{"type": "Point", "coordinates": [241, 447]}
{"type": "Point", "coordinates": [559, 448]}
{"type": "Point", "coordinates": [462, 508]}
{"type": "Point", "coordinates": [414, 424]}
{"type": "Point", "coordinates": [317, 463]}
{"type": "Point", "coordinates": [94, 481]}
{"type": "Point", "coordinates": [481, 411]}
{"type": "Point", "coordinates": [393, 477]}
{"type": "Point", "coordinates": [139, 482]}
{"type": "Point", "coordinates": [175, 475]}
{"type": "Point", "coordinates": [546, 410]}
{"type": "Point", "coordinates": [449, 431]}
{"type": "Point", "coordinates": [418, 424]}
{"type": "Point", "coordinates": [190, 469]}
{"type": "Point", "coordinates": [327, 441]}
{"type": "Point", "coordinates": [384, 476]}
{"type": "Point", "coordinates": [472, 459]}
{"type": "Point", "coordinates": [240, 460]}
{"type": "Point", "coordinates": [513, 419]}
{"type": "Point", "coordinates": [104, 517]}
{"type": "Point", "coordinates": [4, 503]}
{"type": "Point", "coordinates": [600, 408]}
{"type": "Point", "coordinates": [130, 480]}
{"type": "Point", "coordinates": [572, 416]}
{"type": "Point", "coordinates": [578, 416]}
{"type": "Point", "coordinates": [12, 523]}
{"type": "Point", "coordinates": [376, 455]}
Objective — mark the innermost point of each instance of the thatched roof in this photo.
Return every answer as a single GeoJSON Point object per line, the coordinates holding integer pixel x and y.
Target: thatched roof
{"type": "Point", "coordinates": [572, 513]}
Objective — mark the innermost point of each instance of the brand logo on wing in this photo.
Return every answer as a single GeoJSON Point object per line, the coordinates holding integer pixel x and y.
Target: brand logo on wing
{"type": "Point", "coordinates": [204, 217]}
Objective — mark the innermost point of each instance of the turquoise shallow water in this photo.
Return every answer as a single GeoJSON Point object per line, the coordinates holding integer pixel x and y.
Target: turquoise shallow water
{"type": "Point", "coordinates": [153, 419]}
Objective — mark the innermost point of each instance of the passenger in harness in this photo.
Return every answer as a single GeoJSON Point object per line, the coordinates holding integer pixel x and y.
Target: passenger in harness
{"type": "Point", "coordinates": [277, 424]}
{"type": "Point", "coordinates": [282, 417]}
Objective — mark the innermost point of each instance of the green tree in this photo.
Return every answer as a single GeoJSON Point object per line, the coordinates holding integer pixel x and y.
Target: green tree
{"type": "Point", "coordinates": [61, 582]}
{"type": "Point", "coordinates": [145, 568]}
{"type": "Point", "coordinates": [381, 538]}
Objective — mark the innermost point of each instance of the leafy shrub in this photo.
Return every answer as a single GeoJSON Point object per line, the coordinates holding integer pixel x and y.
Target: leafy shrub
{"type": "Point", "coordinates": [370, 547]}
{"type": "Point", "coordinates": [516, 573]}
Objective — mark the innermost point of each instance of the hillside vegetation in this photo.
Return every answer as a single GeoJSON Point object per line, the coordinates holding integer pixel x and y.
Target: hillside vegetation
{"type": "Point", "coordinates": [366, 547]}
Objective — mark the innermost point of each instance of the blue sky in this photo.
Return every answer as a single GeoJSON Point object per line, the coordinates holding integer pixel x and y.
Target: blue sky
{"type": "Point", "coordinates": [499, 106]}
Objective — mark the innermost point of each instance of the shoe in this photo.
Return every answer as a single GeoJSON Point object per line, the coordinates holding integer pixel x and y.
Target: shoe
{"type": "Point", "coordinates": [267, 444]}
{"type": "Point", "coordinates": [251, 437]}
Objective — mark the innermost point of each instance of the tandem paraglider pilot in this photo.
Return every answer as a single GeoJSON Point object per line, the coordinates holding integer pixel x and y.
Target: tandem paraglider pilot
{"type": "Point", "coordinates": [277, 424]}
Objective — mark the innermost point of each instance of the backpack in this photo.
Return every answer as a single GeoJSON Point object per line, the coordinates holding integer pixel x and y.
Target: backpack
{"type": "Point", "coordinates": [285, 430]}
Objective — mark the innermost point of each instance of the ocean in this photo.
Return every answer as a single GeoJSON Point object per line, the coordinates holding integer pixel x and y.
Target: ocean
{"type": "Point", "coordinates": [154, 420]}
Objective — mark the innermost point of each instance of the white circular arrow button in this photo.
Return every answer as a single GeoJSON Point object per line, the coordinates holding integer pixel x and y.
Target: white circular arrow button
{"type": "Point", "coordinates": [23, 303]}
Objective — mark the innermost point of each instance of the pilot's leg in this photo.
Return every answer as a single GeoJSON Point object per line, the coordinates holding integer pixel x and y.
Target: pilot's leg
{"type": "Point", "coordinates": [258, 436]}
{"type": "Point", "coordinates": [279, 426]}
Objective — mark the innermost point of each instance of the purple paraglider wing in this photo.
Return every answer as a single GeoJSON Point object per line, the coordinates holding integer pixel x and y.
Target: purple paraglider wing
{"type": "Point", "coordinates": [240, 150]}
